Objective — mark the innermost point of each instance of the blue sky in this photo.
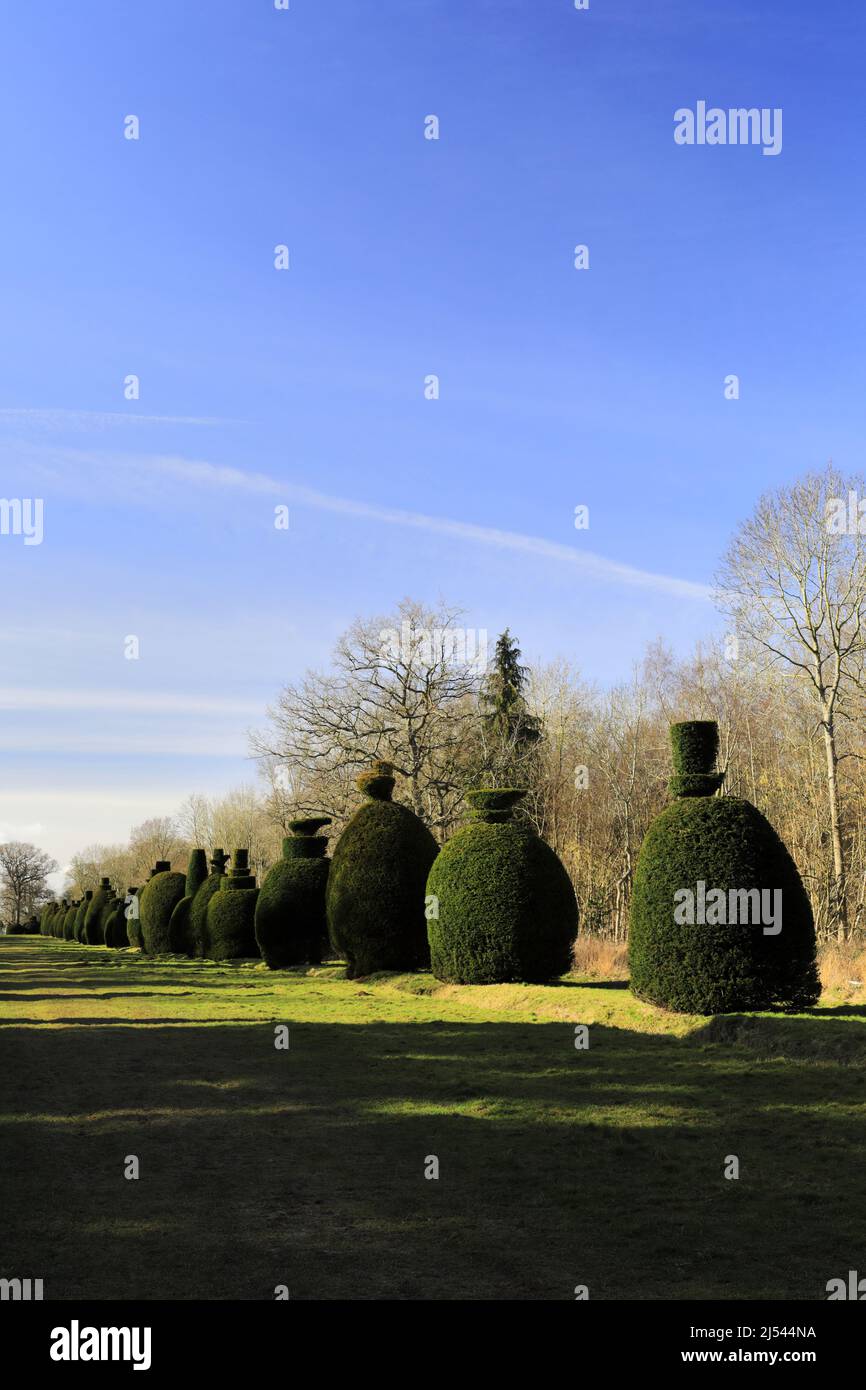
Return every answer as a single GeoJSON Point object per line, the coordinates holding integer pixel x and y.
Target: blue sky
{"type": "Point", "coordinates": [408, 257]}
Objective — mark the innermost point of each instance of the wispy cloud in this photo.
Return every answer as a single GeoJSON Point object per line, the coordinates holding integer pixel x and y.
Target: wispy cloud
{"type": "Point", "coordinates": [145, 702]}
{"type": "Point", "coordinates": [596, 566]}
{"type": "Point", "coordinates": [50, 420]}
{"type": "Point", "coordinates": [139, 471]}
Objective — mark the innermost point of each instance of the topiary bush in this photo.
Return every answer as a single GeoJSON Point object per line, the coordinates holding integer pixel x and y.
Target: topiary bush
{"type": "Point", "coordinates": [94, 927]}
{"type": "Point", "coordinates": [157, 901]}
{"type": "Point", "coordinates": [115, 923]}
{"type": "Point", "coordinates": [133, 917]}
{"type": "Point", "coordinates": [231, 913]}
{"type": "Point", "coordinates": [375, 893]}
{"type": "Point", "coordinates": [81, 914]}
{"type": "Point", "coordinates": [59, 918]}
{"type": "Point", "coordinates": [501, 904]}
{"type": "Point", "coordinates": [45, 918]}
{"type": "Point", "coordinates": [198, 933]}
{"type": "Point", "coordinates": [69, 921]}
{"type": "Point", "coordinates": [709, 857]}
{"type": "Point", "coordinates": [179, 929]}
{"type": "Point", "coordinates": [291, 923]}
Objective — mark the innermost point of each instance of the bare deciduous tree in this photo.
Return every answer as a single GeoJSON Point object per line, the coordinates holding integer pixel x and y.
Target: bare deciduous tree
{"type": "Point", "coordinates": [24, 871]}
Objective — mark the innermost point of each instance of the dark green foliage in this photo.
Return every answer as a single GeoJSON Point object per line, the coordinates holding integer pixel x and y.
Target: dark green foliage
{"type": "Point", "coordinates": [94, 919]}
{"type": "Point", "coordinates": [694, 745]}
{"type": "Point", "coordinates": [375, 892]}
{"type": "Point", "coordinates": [133, 918]}
{"type": "Point", "coordinates": [501, 904]}
{"type": "Point", "coordinates": [291, 924]}
{"type": "Point", "coordinates": [198, 912]}
{"type": "Point", "coordinates": [59, 918]}
{"type": "Point", "coordinates": [158, 899]}
{"type": "Point", "coordinates": [82, 913]}
{"type": "Point", "coordinates": [231, 913]}
{"type": "Point", "coordinates": [725, 844]}
{"type": "Point", "coordinates": [196, 872]}
{"type": "Point", "coordinates": [179, 930]}
{"type": "Point", "coordinates": [45, 918]}
{"type": "Point", "coordinates": [114, 925]}
{"type": "Point", "coordinates": [69, 922]}
{"type": "Point", "coordinates": [511, 732]}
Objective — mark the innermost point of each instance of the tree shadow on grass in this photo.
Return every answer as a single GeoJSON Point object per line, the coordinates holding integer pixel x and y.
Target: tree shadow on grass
{"type": "Point", "coordinates": [306, 1167]}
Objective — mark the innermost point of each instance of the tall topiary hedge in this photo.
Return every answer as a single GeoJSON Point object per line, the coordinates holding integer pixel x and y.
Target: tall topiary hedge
{"type": "Point", "coordinates": [157, 902]}
{"type": "Point", "coordinates": [94, 929]}
{"type": "Point", "coordinates": [179, 928]}
{"type": "Point", "coordinates": [115, 922]}
{"type": "Point", "coordinates": [708, 933]}
{"type": "Point", "coordinates": [198, 911]}
{"type": "Point", "coordinates": [376, 885]}
{"type": "Point", "coordinates": [291, 923]}
{"type": "Point", "coordinates": [501, 905]}
{"type": "Point", "coordinates": [69, 922]}
{"type": "Point", "coordinates": [45, 918]}
{"type": "Point", "coordinates": [59, 918]}
{"type": "Point", "coordinates": [81, 914]}
{"type": "Point", "coordinates": [231, 913]}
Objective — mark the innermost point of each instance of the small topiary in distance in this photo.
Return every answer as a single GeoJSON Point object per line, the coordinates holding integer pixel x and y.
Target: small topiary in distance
{"type": "Point", "coordinates": [198, 912]}
{"type": "Point", "coordinates": [375, 893]}
{"type": "Point", "coordinates": [156, 903]}
{"type": "Point", "coordinates": [231, 913]}
{"type": "Point", "coordinates": [45, 918]}
{"type": "Point", "coordinates": [94, 930]}
{"type": "Point", "coordinates": [59, 918]}
{"type": "Point", "coordinates": [179, 929]}
{"type": "Point", "coordinates": [81, 914]}
{"type": "Point", "coordinates": [704, 893]}
{"type": "Point", "coordinates": [501, 905]}
{"type": "Point", "coordinates": [291, 923]}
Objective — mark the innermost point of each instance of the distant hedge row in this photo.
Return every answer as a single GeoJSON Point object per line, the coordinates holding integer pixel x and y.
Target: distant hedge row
{"type": "Point", "coordinates": [495, 904]}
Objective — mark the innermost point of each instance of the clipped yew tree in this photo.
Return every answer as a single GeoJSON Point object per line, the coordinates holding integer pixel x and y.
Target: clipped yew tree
{"type": "Point", "coordinates": [115, 922]}
{"type": "Point", "coordinates": [69, 922]}
{"type": "Point", "coordinates": [376, 884]}
{"type": "Point", "coordinates": [291, 923]}
{"type": "Point", "coordinates": [45, 918]}
{"type": "Point", "coordinates": [720, 920]}
{"type": "Point", "coordinates": [82, 913]}
{"type": "Point", "coordinates": [198, 911]}
{"type": "Point", "coordinates": [179, 928]}
{"type": "Point", "coordinates": [59, 918]}
{"type": "Point", "coordinates": [501, 905]}
{"type": "Point", "coordinates": [133, 918]}
{"type": "Point", "coordinates": [157, 901]}
{"type": "Point", "coordinates": [231, 913]}
{"type": "Point", "coordinates": [94, 928]}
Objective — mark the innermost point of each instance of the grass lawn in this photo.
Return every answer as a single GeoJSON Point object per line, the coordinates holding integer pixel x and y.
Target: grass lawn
{"type": "Point", "coordinates": [306, 1167]}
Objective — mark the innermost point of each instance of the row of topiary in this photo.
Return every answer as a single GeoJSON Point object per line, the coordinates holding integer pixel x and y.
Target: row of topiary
{"type": "Point", "coordinates": [494, 904]}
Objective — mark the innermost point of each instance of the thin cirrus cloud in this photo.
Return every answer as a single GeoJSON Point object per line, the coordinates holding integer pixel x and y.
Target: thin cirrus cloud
{"type": "Point", "coordinates": [54, 420]}
{"type": "Point", "coordinates": [156, 702]}
{"type": "Point", "coordinates": [596, 566]}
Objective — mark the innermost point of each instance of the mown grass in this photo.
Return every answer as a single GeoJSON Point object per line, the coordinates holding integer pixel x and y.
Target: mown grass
{"type": "Point", "coordinates": [306, 1167]}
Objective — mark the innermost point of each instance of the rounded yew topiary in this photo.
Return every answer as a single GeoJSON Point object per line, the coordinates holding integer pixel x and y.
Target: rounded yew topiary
{"type": "Point", "coordinates": [501, 905]}
{"type": "Point", "coordinates": [157, 901]}
{"type": "Point", "coordinates": [94, 929]}
{"type": "Point", "coordinates": [198, 911]}
{"type": "Point", "coordinates": [375, 893]}
{"type": "Point", "coordinates": [81, 914]}
{"type": "Point", "coordinates": [291, 923]}
{"type": "Point", "coordinates": [231, 913]}
{"type": "Point", "coordinates": [720, 920]}
{"type": "Point", "coordinates": [179, 929]}
{"type": "Point", "coordinates": [45, 918]}
{"type": "Point", "coordinates": [59, 918]}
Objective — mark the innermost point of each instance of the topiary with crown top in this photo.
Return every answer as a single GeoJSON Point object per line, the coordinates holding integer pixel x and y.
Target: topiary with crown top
{"type": "Point", "coordinates": [501, 904]}
{"type": "Point", "coordinates": [198, 932]}
{"type": "Point", "coordinates": [94, 928]}
{"type": "Point", "coordinates": [231, 913]}
{"type": "Point", "coordinates": [157, 901]}
{"type": "Point", "coordinates": [375, 893]}
{"type": "Point", "coordinates": [703, 870]}
{"type": "Point", "coordinates": [291, 923]}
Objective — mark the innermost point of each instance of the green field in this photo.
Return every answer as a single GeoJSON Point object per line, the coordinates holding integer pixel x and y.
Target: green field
{"type": "Point", "coordinates": [305, 1167]}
